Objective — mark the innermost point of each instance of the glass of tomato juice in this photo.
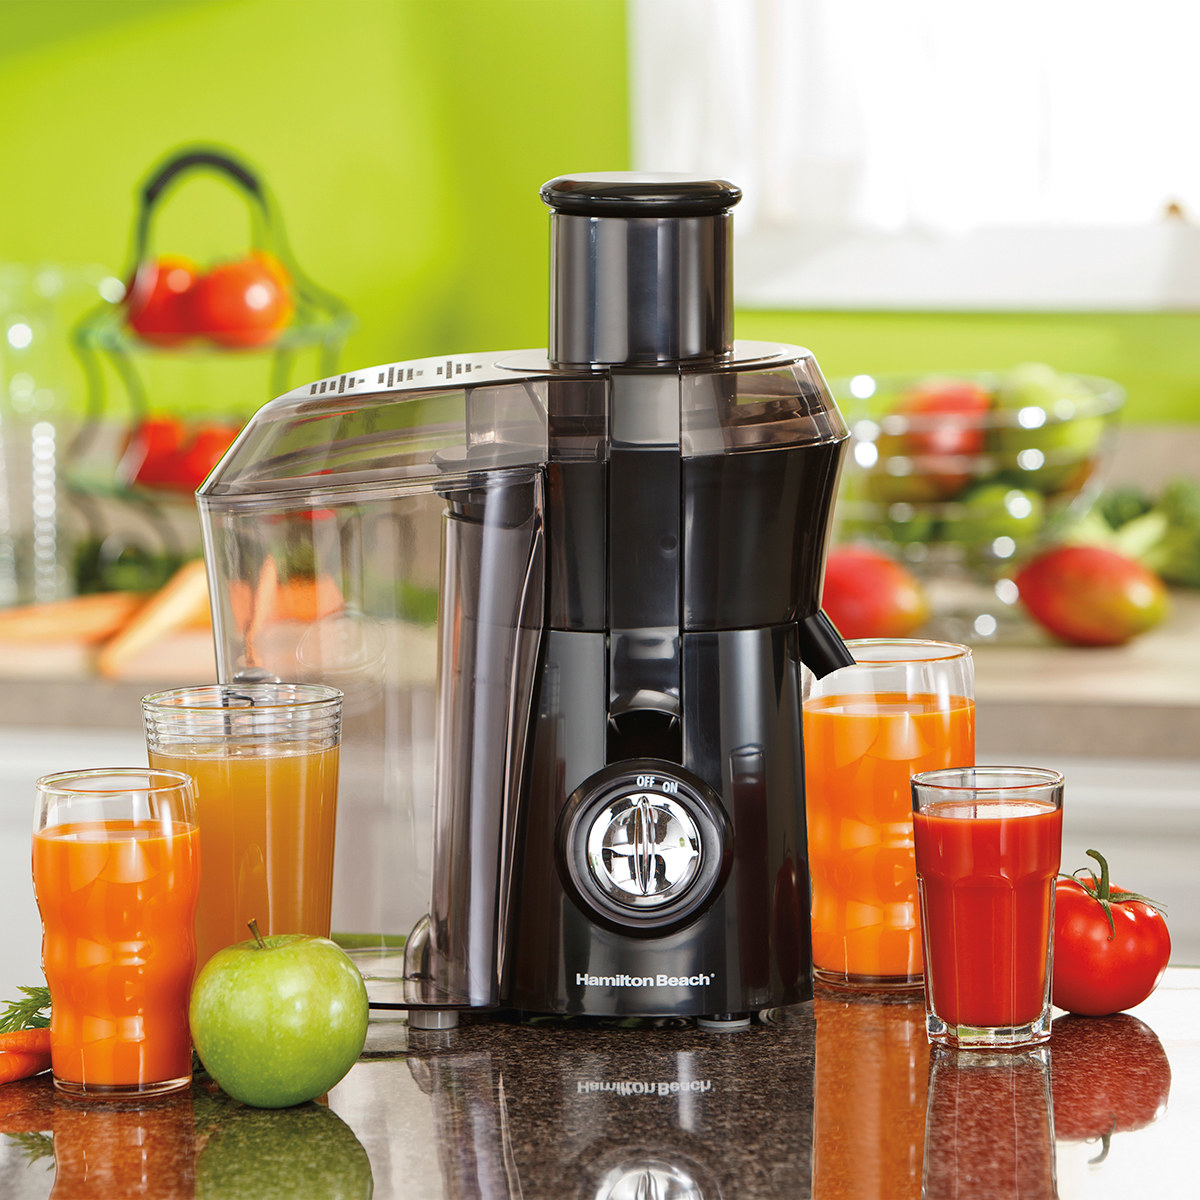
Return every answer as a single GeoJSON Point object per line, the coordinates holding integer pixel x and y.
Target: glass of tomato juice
{"type": "Point", "coordinates": [988, 845]}
{"type": "Point", "coordinates": [905, 705]}
{"type": "Point", "coordinates": [116, 869]}
{"type": "Point", "coordinates": [263, 758]}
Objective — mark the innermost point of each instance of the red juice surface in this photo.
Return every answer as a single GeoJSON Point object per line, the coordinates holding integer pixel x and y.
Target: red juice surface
{"type": "Point", "coordinates": [986, 887]}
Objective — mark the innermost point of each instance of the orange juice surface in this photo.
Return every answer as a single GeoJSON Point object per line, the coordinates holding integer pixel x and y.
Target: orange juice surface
{"type": "Point", "coordinates": [267, 825]}
{"type": "Point", "coordinates": [860, 752]}
{"type": "Point", "coordinates": [118, 900]}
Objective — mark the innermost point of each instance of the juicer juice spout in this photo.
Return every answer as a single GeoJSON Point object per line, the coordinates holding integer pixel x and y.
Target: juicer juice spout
{"type": "Point", "coordinates": [821, 647]}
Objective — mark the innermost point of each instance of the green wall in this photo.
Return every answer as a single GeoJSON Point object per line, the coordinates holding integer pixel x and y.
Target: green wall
{"type": "Point", "coordinates": [405, 141]}
{"type": "Point", "coordinates": [1156, 356]}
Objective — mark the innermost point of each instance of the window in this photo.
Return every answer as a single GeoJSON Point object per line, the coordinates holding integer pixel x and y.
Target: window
{"type": "Point", "coordinates": [935, 153]}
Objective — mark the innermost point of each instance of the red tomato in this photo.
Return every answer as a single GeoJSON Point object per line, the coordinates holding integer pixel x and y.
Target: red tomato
{"type": "Point", "coordinates": [203, 452]}
{"type": "Point", "coordinates": [946, 419]}
{"type": "Point", "coordinates": [868, 594]}
{"type": "Point", "coordinates": [153, 452]}
{"type": "Point", "coordinates": [1111, 1075]}
{"type": "Point", "coordinates": [158, 303]}
{"type": "Point", "coordinates": [1090, 595]}
{"type": "Point", "coordinates": [161, 453]}
{"type": "Point", "coordinates": [243, 303]}
{"type": "Point", "coordinates": [1111, 946]}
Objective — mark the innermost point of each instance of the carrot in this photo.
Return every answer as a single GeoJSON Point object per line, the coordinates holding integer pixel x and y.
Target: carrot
{"type": "Point", "coordinates": [26, 1039]}
{"type": "Point", "coordinates": [20, 1064]}
{"type": "Point", "coordinates": [175, 605]}
{"type": "Point", "coordinates": [89, 619]}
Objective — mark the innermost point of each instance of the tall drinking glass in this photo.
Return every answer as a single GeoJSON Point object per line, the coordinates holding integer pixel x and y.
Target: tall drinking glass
{"type": "Point", "coordinates": [264, 760]}
{"type": "Point", "coordinates": [116, 874]}
{"type": "Point", "coordinates": [905, 705]}
{"type": "Point", "coordinates": [988, 847]}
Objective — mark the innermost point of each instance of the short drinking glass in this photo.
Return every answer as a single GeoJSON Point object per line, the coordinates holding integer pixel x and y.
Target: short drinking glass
{"type": "Point", "coordinates": [988, 845]}
{"type": "Point", "coordinates": [116, 872]}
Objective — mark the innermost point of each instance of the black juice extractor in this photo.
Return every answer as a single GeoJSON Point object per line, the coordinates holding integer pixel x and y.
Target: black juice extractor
{"type": "Point", "coordinates": [568, 597]}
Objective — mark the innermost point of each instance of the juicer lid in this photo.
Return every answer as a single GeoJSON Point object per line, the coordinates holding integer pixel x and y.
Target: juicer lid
{"type": "Point", "coordinates": [631, 194]}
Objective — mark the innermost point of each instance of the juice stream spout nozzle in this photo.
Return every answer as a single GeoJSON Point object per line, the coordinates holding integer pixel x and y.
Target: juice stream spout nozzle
{"type": "Point", "coordinates": [821, 647]}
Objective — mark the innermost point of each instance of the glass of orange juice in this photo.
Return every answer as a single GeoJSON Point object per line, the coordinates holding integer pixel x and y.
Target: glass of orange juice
{"type": "Point", "coordinates": [264, 761]}
{"type": "Point", "coordinates": [905, 705]}
{"type": "Point", "coordinates": [116, 867]}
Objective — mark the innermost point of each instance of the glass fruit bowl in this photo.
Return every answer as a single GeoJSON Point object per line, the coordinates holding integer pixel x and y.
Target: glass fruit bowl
{"type": "Point", "coordinates": [963, 475]}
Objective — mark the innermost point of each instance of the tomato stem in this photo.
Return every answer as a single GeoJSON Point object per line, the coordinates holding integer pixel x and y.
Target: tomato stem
{"type": "Point", "coordinates": [1100, 890]}
{"type": "Point", "coordinates": [1105, 1143]}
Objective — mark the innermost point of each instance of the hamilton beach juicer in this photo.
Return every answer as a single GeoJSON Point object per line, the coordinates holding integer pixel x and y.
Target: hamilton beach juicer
{"type": "Point", "coordinates": [567, 598]}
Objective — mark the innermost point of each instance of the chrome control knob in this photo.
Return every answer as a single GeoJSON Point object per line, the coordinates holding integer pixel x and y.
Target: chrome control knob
{"type": "Point", "coordinates": [643, 845]}
{"type": "Point", "coordinates": [643, 849]}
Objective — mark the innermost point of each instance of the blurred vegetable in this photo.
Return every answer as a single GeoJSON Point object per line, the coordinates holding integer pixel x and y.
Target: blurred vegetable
{"type": "Point", "coordinates": [1163, 534]}
{"type": "Point", "coordinates": [164, 452]}
{"type": "Point", "coordinates": [1052, 442]}
{"type": "Point", "coordinates": [1176, 556]}
{"type": "Point", "coordinates": [1121, 504]}
{"type": "Point", "coordinates": [111, 565]}
{"type": "Point", "coordinates": [158, 301]}
{"type": "Point", "coordinates": [243, 303]}
{"type": "Point", "coordinates": [180, 603]}
{"type": "Point", "coordinates": [993, 511]}
{"type": "Point", "coordinates": [90, 619]}
{"type": "Point", "coordinates": [1090, 595]}
{"type": "Point", "coordinates": [945, 427]}
{"type": "Point", "coordinates": [868, 594]}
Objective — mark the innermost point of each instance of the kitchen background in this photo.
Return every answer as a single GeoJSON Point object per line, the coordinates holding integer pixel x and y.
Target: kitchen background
{"type": "Point", "coordinates": [403, 143]}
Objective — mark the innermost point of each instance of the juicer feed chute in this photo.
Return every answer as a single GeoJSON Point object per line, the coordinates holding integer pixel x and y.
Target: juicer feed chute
{"type": "Point", "coordinates": [567, 597]}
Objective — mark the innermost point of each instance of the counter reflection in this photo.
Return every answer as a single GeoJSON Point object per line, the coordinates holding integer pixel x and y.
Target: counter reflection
{"type": "Point", "coordinates": [196, 1144]}
{"type": "Point", "coordinates": [1111, 1077]}
{"type": "Point", "coordinates": [547, 1110]}
{"type": "Point", "coordinates": [871, 1080]}
{"type": "Point", "coordinates": [989, 1127]}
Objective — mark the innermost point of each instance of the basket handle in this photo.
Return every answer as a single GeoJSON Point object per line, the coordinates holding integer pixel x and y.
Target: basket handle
{"type": "Point", "coordinates": [182, 163]}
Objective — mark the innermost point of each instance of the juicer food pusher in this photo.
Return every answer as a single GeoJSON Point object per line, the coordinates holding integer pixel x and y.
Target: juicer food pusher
{"type": "Point", "coordinates": [567, 597]}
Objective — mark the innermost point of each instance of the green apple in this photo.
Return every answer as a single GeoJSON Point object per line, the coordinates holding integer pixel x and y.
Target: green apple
{"type": "Point", "coordinates": [303, 1151]}
{"type": "Point", "coordinates": [993, 511]}
{"type": "Point", "coordinates": [279, 1020]}
{"type": "Point", "coordinates": [1054, 445]}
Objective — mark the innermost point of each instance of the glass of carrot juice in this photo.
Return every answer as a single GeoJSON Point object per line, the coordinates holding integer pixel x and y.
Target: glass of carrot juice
{"type": "Point", "coordinates": [988, 847]}
{"type": "Point", "coordinates": [905, 705]}
{"type": "Point", "coordinates": [264, 761]}
{"type": "Point", "coordinates": [116, 868]}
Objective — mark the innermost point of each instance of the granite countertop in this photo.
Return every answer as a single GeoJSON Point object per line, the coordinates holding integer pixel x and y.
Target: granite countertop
{"type": "Point", "coordinates": [839, 1097]}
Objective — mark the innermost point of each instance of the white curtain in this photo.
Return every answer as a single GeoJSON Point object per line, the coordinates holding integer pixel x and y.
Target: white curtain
{"type": "Point", "coordinates": [926, 116]}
